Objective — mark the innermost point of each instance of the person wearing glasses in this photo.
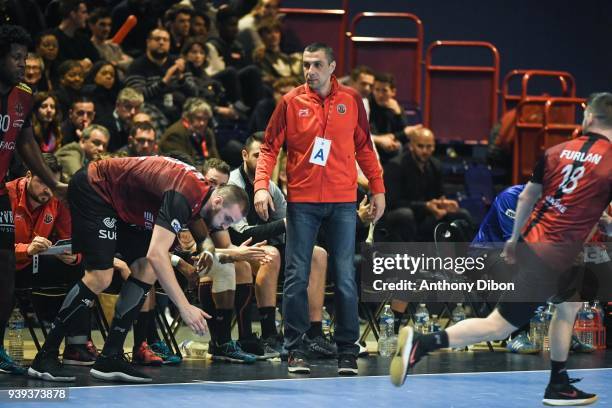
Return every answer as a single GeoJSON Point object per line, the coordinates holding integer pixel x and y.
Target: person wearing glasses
{"type": "Point", "coordinates": [73, 156]}
{"type": "Point", "coordinates": [141, 142]}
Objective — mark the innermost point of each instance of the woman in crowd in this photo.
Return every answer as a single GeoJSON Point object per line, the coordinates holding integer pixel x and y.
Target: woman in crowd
{"type": "Point", "coordinates": [46, 122]}
{"type": "Point", "coordinates": [102, 86]}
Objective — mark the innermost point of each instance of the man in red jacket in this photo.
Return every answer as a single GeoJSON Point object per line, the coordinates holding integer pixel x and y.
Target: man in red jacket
{"type": "Point", "coordinates": [325, 129]}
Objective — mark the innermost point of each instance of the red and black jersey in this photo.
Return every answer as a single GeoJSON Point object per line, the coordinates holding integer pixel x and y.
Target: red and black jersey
{"type": "Point", "coordinates": [146, 191]}
{"type": "Point", "coordinates": [15, 109]}
{"type": "Point", "coordinates": [576, 178]}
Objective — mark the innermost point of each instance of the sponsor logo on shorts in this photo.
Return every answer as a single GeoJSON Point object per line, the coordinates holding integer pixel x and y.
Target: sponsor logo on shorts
{"type": "Point", "coordinates": [176, 225]}
{"type": "Point", "coordinates": [109, 222]}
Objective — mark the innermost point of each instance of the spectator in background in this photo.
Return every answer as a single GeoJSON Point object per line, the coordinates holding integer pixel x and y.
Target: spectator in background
{"type": "Point", "coordinates": [273, 63]}
{"type": "Point", "coordinates": [75, 155]}
{"type": "Point", "coordinates": [177, 20]}
{"type": "Point", "coordinates": [142, 141]}
{"type": "Point", "coordinates": [388, 122]}
{"type": "Point", "coordinates": [71, 78]}
{"type": "Point", "coordinates": [200, 24]}
{"type": "Point", "coordinates": [147, 16]}
{"type": "Point", "coordinates": [195, 52]}
{"type": "Point", "coordinates": [414, 180]}
{"type": "Point", "coordinates": [248, 34]}
{"type": "Point", "coordinates": [102, 86]}
{"type": "Point", "coordinates": [73, 44]}
{"type": "Point", "coordinates": [161, 78]}
{"type": "Point", "coordinates": [128, 103]}
{"type": "Point", "coordinates": [47, 46]}
{"type": "Point", "coordinates": [100, 23]}
{"type": "Point", "coordinates": [362, 80]}
{"type": "Point", "coordinates": [264, 108]}
{"type": "Point", "coordinates": [191, 134]}
{"type": "Point", "coordinates": [34, 68]}
{"type": "Point", "coordinates": [46, 122]}
{"type": "Point", "coordinates": [80, 115]}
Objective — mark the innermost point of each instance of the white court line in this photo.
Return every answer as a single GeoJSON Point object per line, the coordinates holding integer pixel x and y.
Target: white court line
{"type": "Point", "coordinates": [200, 382]}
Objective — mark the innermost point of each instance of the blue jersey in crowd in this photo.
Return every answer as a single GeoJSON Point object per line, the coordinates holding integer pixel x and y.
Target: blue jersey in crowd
{"type": "Point", "coordinates": [497, 224]}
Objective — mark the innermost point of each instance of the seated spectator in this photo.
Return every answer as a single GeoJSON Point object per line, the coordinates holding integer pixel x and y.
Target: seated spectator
{"type": "Point", "coordinates": [142, 141]}
{"type": "Point", "coordinates": [388, 122]}
{"type": "Point", "coordinates": [34, 67]}
{"type": "Point", "coordinates": [99, 23]}
{"type": "Point", "coordinates": [200, 24]}
{"type": "Point", "coordinates": [194, 52]}
{"type": "Point", "coordinates": [71, 78]}
{"type": "Point", "coordinates": [80, 115]}
{"type": "Point", "coordinates": [228, 63]}
{"type": "Point", "coordinates": [47, 47]}
{"type": "Point", "coordinates": [40, 220]}
{"type": "Point", "coordinates": [248, 34]}
{"type": "Point", "coordinates": [267, 276]}
{"type": "Point", "coordinates": [273, 63]}
{"type": "Point", "coordinates": [362, 80]}
{"type": "Point", "coordinates": [191, 134]}
{"type": "Point", "coordinates": [161, 78]}
{"type": "Point", "coordinates": [74, 45]}
{"type": "Point", "coordinates": [75, 155]}
{"type": "Point", "coordinates": [102, 86]}
{"type": "Point", "coordinates": [177, 20]}
{"type": "Point", "coordinates": [413, 180]}
{"type": "Point", "coordinates": [264, 108]}
{"type": "Point", "coordinates": [128, 103]}
{"type": "Point", "coordinates": [148, 14]}
{"type": "Point", "coordinates": [46, 122]}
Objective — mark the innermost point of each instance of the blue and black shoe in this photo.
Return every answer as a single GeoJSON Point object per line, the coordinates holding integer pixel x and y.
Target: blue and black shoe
{"type": "Point", "coordinates": [161, 349]}
{"type": "Point", "coordinates": [231, 352]}
{"type": "Point", "coordinates": [8, 366]}
{"type": "Point", "coordinates": [522, 345]}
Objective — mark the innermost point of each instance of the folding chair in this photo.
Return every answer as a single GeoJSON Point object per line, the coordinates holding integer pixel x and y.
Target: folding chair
{"type": "Point", "coordinates": [519, 84]}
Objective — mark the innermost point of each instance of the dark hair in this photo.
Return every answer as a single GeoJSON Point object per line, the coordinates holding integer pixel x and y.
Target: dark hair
{"type": "Point", "coordinates": [225, 13]}
{"type": "Point", "coordinates": [234, 195]}
{"type": "Point", "coordinates": [175, 10]}
{"type": "Point", "coordinates": [66, 66]}
{"type": "Point", "coordinates": [82, 99]}
{"type": "Point", "coordinates": [361, 69]}
{"type": "Point", "coordinates": [268, 25]}
{"type": "Point", "coordinates": [12, 34]}
{"type": "Point", "coordinates": [386, 78]}
{"type": "Point", "coordinates": [200, 13]}
{"type": "Point", "coordinates": [52, 162]}
{"type": "Point", "coordinates": [600, 105]}
{"type": "Point", "coordinates": [285, 81]}
{"type": "Point", "coordinates": [317, 46]}
{"type": "Point", "coordinates": [41, 35]}
{"type": "Point", "coordinates": [157, 29]}
{"type": "Point", "coordinates": [255, 137]}
{"type": "Point", "coordinates": [180, 156]}
{"type": "Point", "coordinates": [68, 6]}
{"type": "Point", "coordinates": [142, 126]}
{"type": "Point", "coordinates": [55, 127]}
{"type": "Point", "coordinates": [98, 14]}
{"type": "Point", "coordinates": [217, 164]}
{"type": "Point", "coordinates": [191, 41]}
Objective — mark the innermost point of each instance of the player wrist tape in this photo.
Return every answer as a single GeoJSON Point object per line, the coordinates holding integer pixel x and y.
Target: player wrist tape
{"type": "Point", "coordinates": [175, 259]}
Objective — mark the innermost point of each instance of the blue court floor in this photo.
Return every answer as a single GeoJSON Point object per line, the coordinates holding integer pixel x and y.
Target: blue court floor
{"type": "Point", "coordinates": [474, 390]}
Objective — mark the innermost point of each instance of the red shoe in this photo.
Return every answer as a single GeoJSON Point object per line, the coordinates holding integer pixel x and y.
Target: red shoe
{"type": "Point", "coordinates": [91, 347]}
{"type": "Point", "coordinates": [145, 356]}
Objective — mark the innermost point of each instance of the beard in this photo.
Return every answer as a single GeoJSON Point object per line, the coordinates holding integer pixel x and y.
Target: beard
{"type": "Point", "coordinates": [159, 55]}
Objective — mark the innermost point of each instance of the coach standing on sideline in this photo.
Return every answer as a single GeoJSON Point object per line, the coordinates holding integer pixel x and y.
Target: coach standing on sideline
{"type": "Point", "coordinates": [324, 127]}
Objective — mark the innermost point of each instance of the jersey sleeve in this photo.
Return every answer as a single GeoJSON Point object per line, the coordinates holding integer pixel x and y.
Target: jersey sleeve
{"type": "Point", "coordinates": [174, 213]}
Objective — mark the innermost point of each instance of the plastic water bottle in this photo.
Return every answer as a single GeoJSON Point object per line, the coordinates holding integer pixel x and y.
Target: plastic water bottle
{"type": "Point", "coordinates": [326, 323]}
{"type": "Point", "coordinates": [458, 313]}
{"type": "Point", "coordinates": [278, 320]}
{"type": "Point", "coordinates": [421, 319]}
{"type": "Point", "coordinates": [586, 323]}
{"type": "Point", "coordinates": [192, 348]}
{"type": "Point", "coordinates": [536, 327]}
{"type": "Point", "coordinates": [548, 314]}
{"type": "Point", "coordinates": [15, 339]}
{"type": "Point", "coordinates": [599, 314]}
{"type": "Point", "coordinates": [434, 324]}
{"type": "Point", "coordinates": [386, 341]}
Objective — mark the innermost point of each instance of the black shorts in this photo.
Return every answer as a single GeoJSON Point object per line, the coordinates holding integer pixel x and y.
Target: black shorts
{"type": "Point", "coordinates": [97, 231]}
{"type": "Point", "coordinates": [536, 282]}
{"type": "Point", "coordinates": [51, 272]}
{"type": "Point", "coordinates": [7, 226]}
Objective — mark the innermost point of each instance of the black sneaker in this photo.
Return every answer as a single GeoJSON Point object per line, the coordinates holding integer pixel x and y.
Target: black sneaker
{"type": "Point", "coordinates": [273, 345]}
{"type": "Point", "coordinates": [347, 364]}
{"type": "Point", "coordinates": [46, 366]}
{"type": "Point", "coordinates": [567, 395]}
{"type": "Point", "coordinates": [297, 362]}
{"type": "Point", "coordinates": [254, 345]}
{"type": "Point", "coordinates": [78, 354]}
{"type": "Point", "coordinates": [117, 368]}
{"type": "Point", "coordinates": [408, 353]}
{"type": "Point", "coordinates": [320, 347]}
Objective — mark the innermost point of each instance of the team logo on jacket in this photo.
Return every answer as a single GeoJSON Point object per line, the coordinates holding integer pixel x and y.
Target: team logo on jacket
{"type": "Point", "coordinates": [48, 219]}
{"type": "Point", "coordinates": [304, 113]}
{"type": "Point", "coordinates": [341, 108]}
